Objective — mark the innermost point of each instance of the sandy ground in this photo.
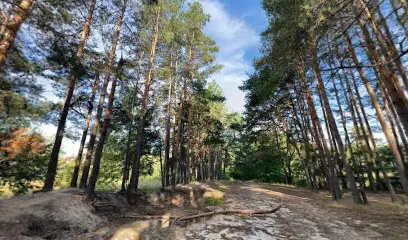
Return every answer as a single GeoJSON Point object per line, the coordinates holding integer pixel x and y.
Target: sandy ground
{"type": "Point", "coordinates": [298, 218]}
{"type": "Point", "coordinates": [63, 214]}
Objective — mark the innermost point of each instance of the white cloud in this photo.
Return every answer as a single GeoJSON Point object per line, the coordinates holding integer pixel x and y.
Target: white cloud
{"type": "Point", "coordinates": [235, 37]}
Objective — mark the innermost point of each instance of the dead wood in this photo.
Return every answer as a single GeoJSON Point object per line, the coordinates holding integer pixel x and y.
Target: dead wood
{"type": "Point", "coordinates": [249, 212]}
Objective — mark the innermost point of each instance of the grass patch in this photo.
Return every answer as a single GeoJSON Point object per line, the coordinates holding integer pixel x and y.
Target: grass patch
{"type": "Point", "coordinates": [214, 201]}
{"type": "Point", "coordinates": [150, 185]}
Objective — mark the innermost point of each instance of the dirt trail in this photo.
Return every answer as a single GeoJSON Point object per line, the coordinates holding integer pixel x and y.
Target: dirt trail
{"type": "Point", "coordinates": [297, 219]}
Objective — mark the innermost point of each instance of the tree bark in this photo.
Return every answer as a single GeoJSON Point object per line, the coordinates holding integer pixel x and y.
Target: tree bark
{"type": "Point", "coordinates": [78, 160]}
{"type": "Point", "coordinates": [174, 151]}
{"type": "Point", "coordinates": [359, 128]}
{"type": "Point", "coordinates": [305, 139]}
{"type": "Point", "coordinates": [389, 42]}
{"type": "Point", "coordinates": [380, 115]}
{"type": "Point", "coordinates": [179, 138]}
{"type": "Point", "coordinates": [104, 133]}
{"type": "Point", "coordinates": [389, 79]}
{"type": "Point", "coordinates": [168, 118]}
{"type": "Point", "coordinates": [332, 123]}
{"type": "Point", "coordinates": [191, 65]}
{"type": "Point", "coordinates": [126, 165]}
{"type": "Point", "coordinates": [53, 164]}
{"type": "Point", "coordinates": [107, 71]}
{"type": "Point", "coordinates": [332, 153]}
{"type": "Point", "coordinates": [134, 179]}
{"type": "Point", "coordinates": [317, 129]}
{"type": "Point", "coordinates": [12, 27]}
{"type": "Point", "coordinates": [346, 135]}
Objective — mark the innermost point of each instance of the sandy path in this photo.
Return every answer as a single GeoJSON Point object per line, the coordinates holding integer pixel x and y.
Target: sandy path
{"type": "Point", "coordinates": [297, 219]}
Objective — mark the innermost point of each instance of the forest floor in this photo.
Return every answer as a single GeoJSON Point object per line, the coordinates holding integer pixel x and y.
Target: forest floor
{"type": "Point", "coordinates": [304, 215]}
{"type": "Point", "coordinates": [64, 214]}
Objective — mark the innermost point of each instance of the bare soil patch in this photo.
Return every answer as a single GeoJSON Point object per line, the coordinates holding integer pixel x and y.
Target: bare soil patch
{"type": "Point", "coordinates": [64, 214]}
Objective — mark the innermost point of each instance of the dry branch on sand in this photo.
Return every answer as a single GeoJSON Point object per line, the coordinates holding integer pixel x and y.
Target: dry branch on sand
{"type": "Point", "coordinates": [249, 212]}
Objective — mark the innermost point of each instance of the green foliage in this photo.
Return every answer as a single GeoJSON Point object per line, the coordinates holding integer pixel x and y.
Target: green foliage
{"type": "Point", "coordinates": [259, 160]}
{"type": "Point", "coordinates": [64, 173]}
{"type": "Point", "coordinates": [21, 172]}
{"type": "Point", "coordinates": [211, 201]}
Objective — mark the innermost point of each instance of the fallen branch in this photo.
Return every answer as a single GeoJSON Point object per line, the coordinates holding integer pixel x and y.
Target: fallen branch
{"type": "Point", "coordinates": [249, 212]}
{"type": "Point", "coordinates": [96, 204]}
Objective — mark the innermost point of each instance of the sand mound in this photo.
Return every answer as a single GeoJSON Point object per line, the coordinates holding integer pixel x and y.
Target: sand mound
{"type": "Point", "coordinates": [51, 215]}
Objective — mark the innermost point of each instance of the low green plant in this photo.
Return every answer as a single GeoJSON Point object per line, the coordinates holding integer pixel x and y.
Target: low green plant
{"type": "Point", "coordinates": [214, 201]}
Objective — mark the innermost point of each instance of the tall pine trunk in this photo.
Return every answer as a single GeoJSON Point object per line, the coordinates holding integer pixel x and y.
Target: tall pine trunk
{"type": "Point", "coordinates": [386, 43]}
{"type": "Point", "coordinates": [53, 164]}
{"type": "Point", "coordinates": [103, 134]}
{"type": "Point", "coordinates": [11, 28]}
{"type": "Point", "coordinates": [174, 138]}
{"type": "Point", "coordinates": [99, 111]}
{"type": "Point", "coordinates": [356, 123]}
{"type": "Point", "coordinates": [333, 153]}
{"type": "Point", "coordinates": [305, 140]}
{"type": "Point", "coordinates": [395, 96]}
{"type": "Point", "coordinates": [78, 160]}
{"type": "Point", "coordinates": [332, 124]}
{"type": "Point", "coordinates": [390, 139]}
{"type": "Point", "coordinates": [317, 130]}
{"type": "Point", "coordinates": [191, 64]}
{"type": "Point", "coordinates": [126, 165]}
{"type": "Point", "coordinates": [168, 124]}
{"type": "Point", "coordinates": [344, 123]}
{"type": "Point", "coordinates": [134, 179]}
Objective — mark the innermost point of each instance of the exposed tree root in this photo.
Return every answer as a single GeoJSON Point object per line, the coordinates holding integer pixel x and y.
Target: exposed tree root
{"type": "Point", "coordinates": [249, 212]}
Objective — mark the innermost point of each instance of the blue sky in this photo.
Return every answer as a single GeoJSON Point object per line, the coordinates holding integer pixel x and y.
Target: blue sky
{"type": "Point", "coordinates": [235, 25]}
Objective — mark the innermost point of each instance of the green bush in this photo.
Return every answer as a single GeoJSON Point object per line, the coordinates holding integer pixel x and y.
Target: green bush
{"type": "Point", "coordinates": [20, 173]}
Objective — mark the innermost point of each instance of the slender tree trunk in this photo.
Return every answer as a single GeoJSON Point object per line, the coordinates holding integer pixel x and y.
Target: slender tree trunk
{"type": "Point", "coordinates": [163, 184]}
{"type": "Point", "coordinates": [380, 115]}
{"type": "Point", "coordinates": [99, 111]}
{"type": "Point", "coordinates": [103, 134]}
{"type": "Point", "coordinates": [368, 138]}
{"type": "Point", "coordinates": [390, 54]}
{"type": "Point", "coordinates": [387, 37]}
{"type": "Point", "coordinates": [168, 118]}
{"type": "Point", "coordinates": [74, 179]}
{"type": "Point", "coordinates": [317, 129]}
{"type": "Point", "coordinates": [180, 130]}
{"type": "Point", "coordinates": [305, 140]}
{"type": "Point", "coordinates": [191, 69]}
{"type": "Point", "coordinates": [134, 179]}
{"type": "Point", "coordinates": [53, 164]}
{"type": "Point", "coordinates": [395, 97]}
{"type": "Point", "coordinates": [393, 120]}
{"type": "Point", "coordinates": [332, 154]}
{"type": "Point", "coordinates": [126, 165]}
{"type": "Point", "coordinates": [359, 128]}
{"type": "Point", "coordinates": [333, 125]}
{"type": "Point", "coordinates": [346, 135]}
{"type": "Point", "coordinates": [174, 151]}
{"type": "Point", "coordinates": [11, 28]}
{"type": "Point", "coordinates": [385, 81]}
{"type": "Point", "coordinates": [389, 79]}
